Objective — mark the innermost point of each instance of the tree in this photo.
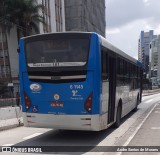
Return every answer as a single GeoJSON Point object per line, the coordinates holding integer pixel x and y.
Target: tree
{"type": "Point", "coordinates": [22, 13]}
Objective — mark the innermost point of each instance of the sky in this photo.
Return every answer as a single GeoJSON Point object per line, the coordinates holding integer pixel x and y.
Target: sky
{"type": "Point", "coordinates": [125, 19]}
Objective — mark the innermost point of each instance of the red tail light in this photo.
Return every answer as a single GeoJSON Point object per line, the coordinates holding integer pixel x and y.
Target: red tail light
{"type": "Point", "coordinates": [27, 101]}
{"type": "Point", "coordinates": [88, 103]}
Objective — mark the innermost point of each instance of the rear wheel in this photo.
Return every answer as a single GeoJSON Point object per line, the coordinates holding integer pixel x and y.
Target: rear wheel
{"type": "Point", "coordinates": [118, 117]}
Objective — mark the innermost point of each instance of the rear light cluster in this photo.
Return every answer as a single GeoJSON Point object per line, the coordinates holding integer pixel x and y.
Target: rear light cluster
{"type": "Point", "coordinates": [88, 103]}
{"type": "Point", "coordinates": [27, 101]}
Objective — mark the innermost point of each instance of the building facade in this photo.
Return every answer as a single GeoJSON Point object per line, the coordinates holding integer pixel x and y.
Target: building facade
{"type": "Point", "coordinates": [5, 69]}
{"type": "Point", "coordinates": [8, 57]}
{"type": "Point", "coordinates": [155, 59]}
{"type": "Point", "coordinates": [144, 47]}
{"type": "Point", "coordinates": [85, 15]}
{"type": "Point", "coordinates": [54, 17]}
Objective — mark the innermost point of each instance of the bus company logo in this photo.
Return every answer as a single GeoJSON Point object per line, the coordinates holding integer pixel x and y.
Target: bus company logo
{"type": "Point", "coordinates": [56, 97]}
{"type": "Point", "coordinates": [35, 87]}
{"type": "Point", "coordinates": [6, 149]}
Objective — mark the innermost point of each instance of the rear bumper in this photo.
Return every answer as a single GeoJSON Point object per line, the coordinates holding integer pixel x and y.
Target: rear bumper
{"type": "Point", "coordinates": [68, 122]}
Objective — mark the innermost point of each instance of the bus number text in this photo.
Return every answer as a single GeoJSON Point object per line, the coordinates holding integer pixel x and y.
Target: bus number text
{"type": "Point", "coordinates": [76, 86]}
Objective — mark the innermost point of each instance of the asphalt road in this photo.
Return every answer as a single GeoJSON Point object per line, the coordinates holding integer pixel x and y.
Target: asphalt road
{"type": "Point", "coordinates": [141, 128]}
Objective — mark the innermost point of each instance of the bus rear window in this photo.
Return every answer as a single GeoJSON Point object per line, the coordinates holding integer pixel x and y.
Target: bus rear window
{"type": "Point", "coordinates": [57, 53]}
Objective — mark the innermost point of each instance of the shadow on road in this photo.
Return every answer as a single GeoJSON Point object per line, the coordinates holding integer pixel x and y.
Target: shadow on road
{"type": "Point", "coordinates": [67, 138]}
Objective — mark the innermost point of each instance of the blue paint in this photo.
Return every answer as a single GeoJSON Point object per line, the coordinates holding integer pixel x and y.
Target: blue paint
{"type": "Point", "coordinates": [73, 105]}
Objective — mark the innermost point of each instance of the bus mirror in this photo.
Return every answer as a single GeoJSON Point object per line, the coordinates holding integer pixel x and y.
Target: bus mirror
{"type": "Point", "coordinates": [18, 50]}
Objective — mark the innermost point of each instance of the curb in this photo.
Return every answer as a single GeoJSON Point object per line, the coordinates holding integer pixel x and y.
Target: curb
{"type": "Point", "coordinates": [10, 123]}
{"type": "Point", "coordinates": [150, 93]}
{"type": "Point", "coordinates": [10, 117]}
{"type": "Point", "coordinates": [9, 127]}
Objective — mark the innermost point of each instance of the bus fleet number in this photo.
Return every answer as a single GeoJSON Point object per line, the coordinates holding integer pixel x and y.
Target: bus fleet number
{"type": "Point", "coordinates": [76, 86]}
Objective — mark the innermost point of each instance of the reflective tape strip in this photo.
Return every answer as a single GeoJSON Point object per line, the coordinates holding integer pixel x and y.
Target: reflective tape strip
{"type": "Point", "coordinates": [73, 77]}
{"type": "Point", "coordinates": [40, 77]}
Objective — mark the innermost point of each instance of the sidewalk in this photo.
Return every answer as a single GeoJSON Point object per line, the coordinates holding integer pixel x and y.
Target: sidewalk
{"type": "Point", "coordinates": [10, 117]}
{"type": "Point", "coordinates": [149, 132]}
{"type": "Point", "coordinates": [150, 92]}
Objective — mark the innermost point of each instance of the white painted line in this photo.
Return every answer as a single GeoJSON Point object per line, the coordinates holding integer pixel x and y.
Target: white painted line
{"type": "Point", "coordinates": [155, 128]}
{"type": "Point", "coordinates": [149, 101]}
{"type": "Point", "coordinates": [157, 112]}
{"type": "Point", "coordinates": [7, 144]}
{"type": "Point", "coordinates": [5, 108]}
{"type": "Point", "coordinates": [136, 130]}
{"type": "Point", "coordinates": [31, 136]}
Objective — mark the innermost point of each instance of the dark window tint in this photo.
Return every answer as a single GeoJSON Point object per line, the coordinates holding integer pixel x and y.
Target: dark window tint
{"type": "Point", "coordinates": [57, 52]}
{"type": "Point", "coordinates": [104, 64]}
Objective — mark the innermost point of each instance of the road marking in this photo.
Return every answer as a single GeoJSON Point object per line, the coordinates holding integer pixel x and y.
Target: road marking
{"type": "Point", "coordinates": [136, 130]}
{"type": "Point", "coordinates": [157, 112]}
{"type": "Point", "coordinates": [7, 144]}
{"type": "Point", "coordinates": [6, 108]}
{"type": "Point", "coordinates": [155, 128]}
{"type": "Point", "coordinates": [149, 101]}
{"type": "Point", "coordinates": [32, 136]}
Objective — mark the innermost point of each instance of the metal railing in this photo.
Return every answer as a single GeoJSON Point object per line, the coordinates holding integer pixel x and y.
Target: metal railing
{"type": "Point", "coordinates": [9, 102]}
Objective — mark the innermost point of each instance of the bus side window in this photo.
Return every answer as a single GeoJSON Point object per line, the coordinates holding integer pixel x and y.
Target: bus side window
{"type": "Point", "coordinates": [125, 72]}
{"type": "Point", "coordinates": [119, 72]}
{"type": "Point", "coordinates": [132, 77]}
{"type": "Point", "coordinates": [104, 65]}
{"type": "Point", "coordinates": [118, 66]}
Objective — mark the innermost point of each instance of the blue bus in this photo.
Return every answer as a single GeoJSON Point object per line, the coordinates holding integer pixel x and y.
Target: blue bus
{"type": "Point", "coordinates": [76, 81]}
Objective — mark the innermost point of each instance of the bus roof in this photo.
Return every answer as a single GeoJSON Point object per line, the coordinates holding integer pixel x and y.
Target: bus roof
{"type": "Point", "coordinates": [109, 46]}
{"type": "Point", "coordinates": [67, 32]}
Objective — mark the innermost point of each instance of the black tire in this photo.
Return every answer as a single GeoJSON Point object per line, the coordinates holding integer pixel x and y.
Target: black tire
{"type": "Point", "coordinates": [136, 108]}
{"type": "Point", "coordinates": [118, 117]}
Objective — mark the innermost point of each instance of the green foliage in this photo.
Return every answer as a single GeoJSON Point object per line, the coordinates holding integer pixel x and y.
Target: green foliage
{"type": "Point", "coordinates": [22, 13]}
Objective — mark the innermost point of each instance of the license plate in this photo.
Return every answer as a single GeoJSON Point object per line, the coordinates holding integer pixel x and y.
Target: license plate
{"type": "Point", "coordinates": [57, 104]}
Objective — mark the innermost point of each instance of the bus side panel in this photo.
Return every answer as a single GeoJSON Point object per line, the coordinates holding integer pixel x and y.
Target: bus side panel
{"type": "Point", "coordinates": [95, 65]}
